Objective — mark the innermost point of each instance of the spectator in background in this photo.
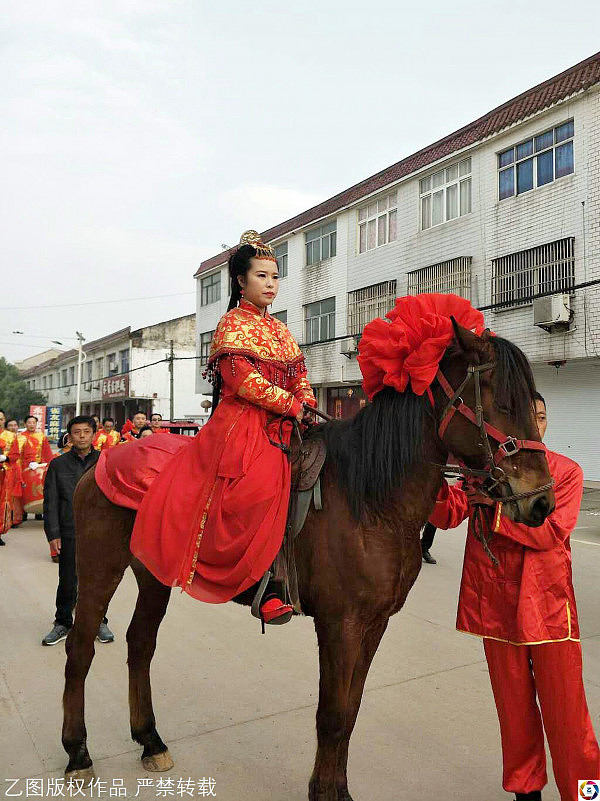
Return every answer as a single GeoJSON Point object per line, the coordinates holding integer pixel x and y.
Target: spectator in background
{"type": "Point", "coordinates": [145, 431]}
{"type": "Point", "coordinates": [61, 479]}
{"type": "Point", "coordinates": [138, 421]}
{"type": "Point", "coordinates": [108, 436]}
{"type": "Point", "coordinates": [156, 424]}
{"type": "Point", "coordinates": [426, 542]}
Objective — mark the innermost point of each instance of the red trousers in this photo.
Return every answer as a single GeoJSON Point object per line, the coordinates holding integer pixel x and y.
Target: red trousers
{"type": "Point", "coordinates": [553, 672]}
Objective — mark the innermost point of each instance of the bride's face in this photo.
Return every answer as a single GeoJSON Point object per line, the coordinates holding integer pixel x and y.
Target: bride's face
{"type": "Point", "coordinates": [261, 282]}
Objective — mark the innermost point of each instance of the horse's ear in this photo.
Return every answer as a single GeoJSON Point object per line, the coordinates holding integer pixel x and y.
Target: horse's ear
{"type": "Point", "coordinates": [467, 340]}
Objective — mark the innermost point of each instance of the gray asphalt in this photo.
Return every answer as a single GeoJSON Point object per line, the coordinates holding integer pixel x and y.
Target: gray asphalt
{"type": "Point", "coordinates": [240, 708]}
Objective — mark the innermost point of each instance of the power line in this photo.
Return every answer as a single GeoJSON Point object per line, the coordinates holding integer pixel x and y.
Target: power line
{"type": "Point", "coordinates": [95, 302]}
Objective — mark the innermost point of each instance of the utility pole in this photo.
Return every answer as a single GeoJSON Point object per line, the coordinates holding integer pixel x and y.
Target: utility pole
{"type": "Point", "coordinates": [81, 340]}
{"type": "Point", "coordinates": [171, 383]}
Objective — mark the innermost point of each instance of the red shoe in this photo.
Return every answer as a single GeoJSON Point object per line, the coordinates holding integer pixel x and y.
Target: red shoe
{"type": "Point", "coordinates": [275, 612]}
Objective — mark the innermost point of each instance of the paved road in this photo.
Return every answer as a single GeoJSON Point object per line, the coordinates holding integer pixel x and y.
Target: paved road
{"type": "Point", "coordinates": [240, 708]}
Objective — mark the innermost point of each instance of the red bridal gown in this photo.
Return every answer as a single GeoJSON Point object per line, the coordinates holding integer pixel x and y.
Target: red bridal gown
{"type": "Point", "coordinates": [213, 519]}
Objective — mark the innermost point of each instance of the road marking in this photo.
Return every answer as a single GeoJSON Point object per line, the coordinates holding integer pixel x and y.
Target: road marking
{"type": "Point", "coordinates": [585, 542]}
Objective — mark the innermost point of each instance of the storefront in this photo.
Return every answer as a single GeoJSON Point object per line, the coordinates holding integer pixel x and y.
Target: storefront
{"type": "Point", "coordinates": [345, 402]}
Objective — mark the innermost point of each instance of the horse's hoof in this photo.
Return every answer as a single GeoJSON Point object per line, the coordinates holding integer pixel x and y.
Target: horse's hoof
{"type": "Point", "coordinates": [86, 774]}
{"type": "Point", "coordinates": [158, 763]}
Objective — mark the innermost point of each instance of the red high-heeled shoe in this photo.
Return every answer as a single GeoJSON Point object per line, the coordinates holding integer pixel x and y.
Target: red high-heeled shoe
{"type": "Point", "coordinates": [274, 612]}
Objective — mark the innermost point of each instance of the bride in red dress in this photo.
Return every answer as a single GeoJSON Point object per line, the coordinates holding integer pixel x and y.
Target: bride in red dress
{"type": "Point", "coordinates": [213, 519]}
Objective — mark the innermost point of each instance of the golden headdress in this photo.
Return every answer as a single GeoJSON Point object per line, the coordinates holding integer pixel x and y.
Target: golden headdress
{"type": "Point", "coordinates": [262, 251]}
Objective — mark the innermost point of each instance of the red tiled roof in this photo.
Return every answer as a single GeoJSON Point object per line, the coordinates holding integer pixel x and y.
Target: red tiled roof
{"type": "Point", "coordinates": [573, 80]}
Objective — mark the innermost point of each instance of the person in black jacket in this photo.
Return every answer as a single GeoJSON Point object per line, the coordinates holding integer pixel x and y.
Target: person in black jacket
{"type": "Point", "coordinates": [59, 525]}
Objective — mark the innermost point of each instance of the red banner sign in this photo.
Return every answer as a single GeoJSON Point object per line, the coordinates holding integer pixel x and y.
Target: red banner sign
{"type": "Point", "coordinates": [40, 413]}
{"type": "Point", "coordinates": [115, 387]}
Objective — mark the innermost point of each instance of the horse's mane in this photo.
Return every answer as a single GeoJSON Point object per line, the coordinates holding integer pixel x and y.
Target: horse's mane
{"type": "Point", "coordinates": [373, 452]}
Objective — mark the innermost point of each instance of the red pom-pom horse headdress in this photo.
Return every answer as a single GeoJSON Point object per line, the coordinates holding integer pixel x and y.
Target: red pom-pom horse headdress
{"type": "Point", "coordinates": [408, 346]}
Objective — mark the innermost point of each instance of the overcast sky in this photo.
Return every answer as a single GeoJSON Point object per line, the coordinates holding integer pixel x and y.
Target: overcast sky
{"type": "Point", "coordinates": [137, 137]}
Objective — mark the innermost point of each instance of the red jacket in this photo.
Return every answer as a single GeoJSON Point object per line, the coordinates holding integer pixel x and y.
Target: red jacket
{"type": "Point", "coordinates": [528, 598]}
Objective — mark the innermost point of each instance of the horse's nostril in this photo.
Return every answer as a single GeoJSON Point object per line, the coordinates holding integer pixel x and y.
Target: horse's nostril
{"type": "Point", "coordinates": [540, 508]}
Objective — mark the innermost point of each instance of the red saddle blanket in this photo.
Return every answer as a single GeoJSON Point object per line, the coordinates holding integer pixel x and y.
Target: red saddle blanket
{"type": "Point", "coordinates": [124, 473]}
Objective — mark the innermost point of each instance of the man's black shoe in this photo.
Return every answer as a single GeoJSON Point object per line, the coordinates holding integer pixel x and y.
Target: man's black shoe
{"type": "Point", "coordinates": [536, 795]}
{"type": "Point", "coordinates": [2, 541]}
{"type": "Point", "coordinates": [427, 557]}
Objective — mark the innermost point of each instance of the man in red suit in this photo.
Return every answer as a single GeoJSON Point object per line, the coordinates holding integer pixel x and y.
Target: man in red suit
{"type": "Point", "coordinates": [129, 433]}
{"type": "Point", "coordinates": [524, 608]}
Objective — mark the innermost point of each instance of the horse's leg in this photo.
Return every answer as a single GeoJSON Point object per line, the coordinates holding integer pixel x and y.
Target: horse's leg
{"type": "Point", "coordinates": [370, 643]}
{"type": "Point", "coordinates": [95, 591]}
{"type": "Point", "coordinates": [103, 532]}
{"type": "Point", "coordinates": [150, 609]}
{"type": "Point", "coordinates": [339, 644]}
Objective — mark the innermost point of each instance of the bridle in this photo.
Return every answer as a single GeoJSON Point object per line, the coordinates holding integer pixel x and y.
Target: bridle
{"type": "Point", "coordinates": [483, 482]}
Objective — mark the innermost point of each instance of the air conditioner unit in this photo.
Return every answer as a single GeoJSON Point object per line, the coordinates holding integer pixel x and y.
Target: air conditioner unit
{"type": "Point", "coordinates": [349, 347]}
{"type": "Point", "coordinates": [113, 366]}
{"type": "Point", "coordinates": [552, 312]}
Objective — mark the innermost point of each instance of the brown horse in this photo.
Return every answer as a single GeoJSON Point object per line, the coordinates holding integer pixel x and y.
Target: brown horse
{"type": "Point", "coordinates": [357, 558]}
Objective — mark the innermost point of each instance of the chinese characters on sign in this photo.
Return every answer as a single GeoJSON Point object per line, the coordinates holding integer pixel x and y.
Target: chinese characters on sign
{"type": "Point", "coordinates": [115, 387]}
{"type": "Point", "coordinates": [53, 422]}
{"type": "Point", "coordinates": [40, 413]}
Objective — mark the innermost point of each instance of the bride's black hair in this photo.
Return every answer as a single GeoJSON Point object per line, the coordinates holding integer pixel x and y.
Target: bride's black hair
{"type": "Point", "coordinates": [239, 264]}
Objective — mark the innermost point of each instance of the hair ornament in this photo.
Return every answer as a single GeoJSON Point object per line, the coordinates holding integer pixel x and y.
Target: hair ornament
{"type": "Point", "coordinates": [253, 239]}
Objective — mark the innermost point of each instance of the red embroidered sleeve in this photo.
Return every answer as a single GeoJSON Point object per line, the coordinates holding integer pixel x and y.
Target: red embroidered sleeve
{"type": "Point", "coordinates": [302, 391]}
{"type": "Point", "coordinates": [250, 385]}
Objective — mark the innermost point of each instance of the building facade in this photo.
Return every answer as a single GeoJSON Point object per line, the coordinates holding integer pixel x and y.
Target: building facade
{"type": "Point", "coordinates": [505, 211]}
{"type": "Point", "coordinates": [124, 371]}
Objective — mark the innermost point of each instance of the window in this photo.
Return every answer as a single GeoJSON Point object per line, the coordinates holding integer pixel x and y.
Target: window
{"type": "Point", "coordinates": [210, 289]}
{"type": "Point", "coordinates": [536, 162]}
{"type": "Point", "coordinates": [321, 243]}
{"type": "Point", "coordinates": [50, 381]}
{"type": "Point", "coordinates": [378, 223]}
{"type": "Point", "coordinates": [99, 368]}
{"type": "Point", "coordinates": [446, 194]}
{"type": "Point", "coordinates": [112, 366]}
{"type": "Point", "coordinates": [205, 343]}
{"type": "Point", "coordinates": [282, 315]}
{"type": "Point", "coordinates": [453, 276]}
{"type": "Point", "coordinates": [368, 303]}
{"type": "Point", "coordinates": [124, 359]}
{"type": "Point", "coordinates": [64, 378]}
{"type": "Point", "coordinates": [281, 254]}
{"type": "Point", "coordinates": [88, 368]}
{"type": "Point", "coordinates": [546, 268]}
{"type": "Point", "coordinates": [44, 382]}
{"type": "Point", "coordinates": [71, 375]}
{"type": "Point", "coordinates": [320, 320]}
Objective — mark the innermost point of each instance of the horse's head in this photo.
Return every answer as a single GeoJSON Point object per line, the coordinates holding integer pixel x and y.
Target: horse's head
{"type": "Point", "coordinates": [500, 438]}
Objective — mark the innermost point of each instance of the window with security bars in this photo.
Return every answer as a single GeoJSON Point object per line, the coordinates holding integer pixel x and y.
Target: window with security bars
{"type": "Point", "coordinates": [452, 276]}
{"type": "Point", "coordinates": [205, 342]}
{"type": "Point", "coordinates": [368, 303]}
{"type": "Point", "coordinates": [519, 277]}
{"type": "Point", "coordinates": [378, 223]}
{"type": "Point", "coordinates": [281, 254]}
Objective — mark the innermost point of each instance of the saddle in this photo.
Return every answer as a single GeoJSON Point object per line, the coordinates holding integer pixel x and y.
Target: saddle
{"type": "Point", "coordinates": [307, 459]}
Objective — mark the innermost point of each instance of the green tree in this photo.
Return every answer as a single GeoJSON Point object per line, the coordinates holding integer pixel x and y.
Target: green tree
{"type": "Point", "coordinates": [15, 397]}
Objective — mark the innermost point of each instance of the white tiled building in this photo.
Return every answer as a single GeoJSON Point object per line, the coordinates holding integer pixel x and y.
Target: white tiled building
{"type": "Point", "coordinates": [124, 371]}
{"type": "Point", "coordinates": [505, 211]}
